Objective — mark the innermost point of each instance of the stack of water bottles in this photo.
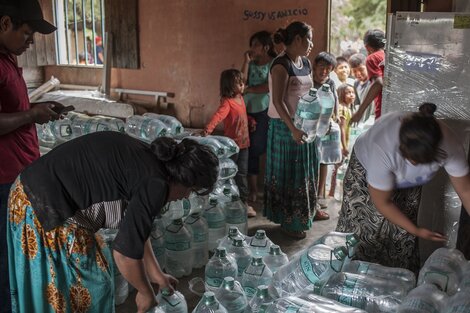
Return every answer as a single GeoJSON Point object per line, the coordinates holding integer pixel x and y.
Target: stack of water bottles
{"type": "Point", "coordinates": [150, 126]}
{"type": "Point", "coordinates": [238, 274]}
{"type": "Point", "coordinates": [443, 285]}
{"type": "Point", "coordinates": [74, 125]}
{"type": "Point", "coordinates": [324, 278]}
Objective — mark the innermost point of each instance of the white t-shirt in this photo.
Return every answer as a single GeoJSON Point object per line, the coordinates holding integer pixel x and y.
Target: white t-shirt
{"type": "Point", "coordinates": [378, 151]}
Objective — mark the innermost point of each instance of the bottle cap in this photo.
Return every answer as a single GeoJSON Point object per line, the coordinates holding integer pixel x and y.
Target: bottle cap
{"type": "Point", "coordinates": [165, 292]}
{"type": "Point", "coordinates": [237, 241]}
{"type": "Point", "coordinates": [312, 92]}
{"type": "Point", "coordinates": [221, 252]}
{"type": "Point", "coordinates": [229, 283]}
{"type": "Point", "coordinates": [340, 253]}
{"type": "Point", "coordinates": [213, 201]}
{"type": "Point", "coordinates": [232, 231]}
{"type": "Point", "coordinates": [256, 260]}
{"type": "Point", "coordinates": [235, 198]}
{"type": "Point", "coordinates": [209, 297]}
{"type": "Point", "coordinates": [275, 250]}
{"type": "Point", "coordinates": [325, 87]}
{"type": "Point", "coordinates": [352, 240]}
{"type": "Point", "coordinates": [178, 221]}
{"type": "Point", "coordinates": [260, 234]}
{"type": "Point", "coordinates": [262, 291]}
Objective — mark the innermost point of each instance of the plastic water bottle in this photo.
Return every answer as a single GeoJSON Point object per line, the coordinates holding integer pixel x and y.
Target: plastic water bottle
{"type": "Point", "coordinates": [171, 122]}
{"type": "Point", "coordinates": [307, 114]}
{"type": "Point", "coordinates": [443, 268]}
{"type": "Point", "coordinates": [114, 124]}
{"type": "Point", "coordinates": [84, 124]}
{"type": "Point", "coordinates": [45, 136]}
{"type": "Point", "coordinates": [219, 267]}
{"type": "Point", "coordinates": [288, 305]}
{"type": "Point", "coordinates": [257, 273]}
{"type": "Point", "coordinates": [327, 102]}
{"type": "Point", "coordinates": [200, 231]}
{"type": "Point", "coordinates": [354, 133]}
{"type": "Point", "coordinates": [315, 264]}
{"type": "Point", "coordinates": [261, 297]}
{"type": "Point", "coordinates": [231, 147]}
{"type": "Point", "coordinates": [227, 169]}
{"type": "Point", "coordinates": [275, 258]}
{"type": "Point", "coordinates": [340, 173]}
{"type": "Point", "coordinates": [236, 214]}
{"type": "Point", "coordinates": [322, 304]}
{"type": "Point", "coordinates": [227, 241]}
{"type": "Point", "coordinates": [145, 128]}
{"type": "Point", "coordinates": [330, 145]}
{"type": "Point", "coordinates": [260, 243]}
{"type": "Point", "coordinates": [209, 304]}
{"type": "Point", "coordinates": [214, 144]}
{"type": "Point", "coordinates": [182, 208]}
{"type": "Point", "coordinates": [459, 303]}
{"type": "Point", "coordinates": [336, 239]}
{"type": "Point", "coordinates": [174, 303]}
{"type": "Point", "coordinates": [406, 277]}
{"type": "Point", "coordinates": [157, 240]}
{"type": "Point", "coordinates": [365, 292]}
{"type": "Point", "coordinates": [178, 249]}
{"type": "Point", "coordinates": [215, 218]}
{"type": "Point", "coordinates": [426, 298]}
{"type": "Point", "coordinates": [231, 296]}
{"type": "Point", "coordinates": [155, 310]}
{"type": "Point", "coordinates": [61, 129]}
{"type": "Point", "coordinates": [242, 255]}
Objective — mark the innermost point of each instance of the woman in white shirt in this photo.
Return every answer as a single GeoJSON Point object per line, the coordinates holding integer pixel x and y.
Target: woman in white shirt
{"type": "Point", "coordinates": [382, 186]}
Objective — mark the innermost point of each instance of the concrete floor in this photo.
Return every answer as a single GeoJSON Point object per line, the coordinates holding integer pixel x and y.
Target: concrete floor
{"type": "Point", "coordinates": [288, 245]}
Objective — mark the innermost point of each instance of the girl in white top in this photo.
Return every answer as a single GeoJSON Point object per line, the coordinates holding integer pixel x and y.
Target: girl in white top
{"type": "Point", "coordinates": [390, 162]}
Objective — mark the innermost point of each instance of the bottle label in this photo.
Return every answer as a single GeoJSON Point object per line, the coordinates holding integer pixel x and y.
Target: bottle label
{"type": "Point", "coordinates": [65, 131]}
{"type": "Point", "coordinates": [348, 295]}
{"type": "Point", "coordinates": [236, 216]}
{"type": "Point", "coordinates": [215, 224]}
{"type": "Point", "coordinates": [363, 268]}
{"type": "Point", "coordinates": [258, 243]}
{"type": "Point", "coordinates": [307, 268]}
{"type": "Point", "coordinates": [292, 309]}
{"type": "Point", "coordinates": [236, 306]}
{"type": "Point", "coordinates": [309, 115]}
{"type": "Point", "coordinates": [178, 246]}
{"type": "Point", "coordinates": [173, 301]}
{"type": "Point", "coordinates": [214, 281]}
{"type": "Point", "coordinates": [249, 291]}
{"type": "Point", "coordinates": [200, 237]}
{"type": "Point", "coordinates": [255, 270]}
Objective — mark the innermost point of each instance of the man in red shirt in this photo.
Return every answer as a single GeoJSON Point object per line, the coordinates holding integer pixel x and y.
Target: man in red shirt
{"type": "Point", "coordinates": [19, 20]}
{"type": "Point", "coordinates": [374, 42]}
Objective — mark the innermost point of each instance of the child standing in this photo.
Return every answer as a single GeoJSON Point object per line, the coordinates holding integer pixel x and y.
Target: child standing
{"type": "Point", "coordinates": [346, 97]}
{"type": "Point", "coordinates": [232, 111]}
{"type": "Point", "coordinates": [255, 70]}
{"type": "Point", "coordinates": [357, 62]}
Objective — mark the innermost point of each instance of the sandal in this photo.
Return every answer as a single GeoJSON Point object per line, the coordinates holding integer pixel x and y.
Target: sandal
{"type": "Point", "coordinates": [250, 212]}
{"type": "Point", "coordinates": [294, 234]}
{"type": "Point", "coordinates": [321, 216]}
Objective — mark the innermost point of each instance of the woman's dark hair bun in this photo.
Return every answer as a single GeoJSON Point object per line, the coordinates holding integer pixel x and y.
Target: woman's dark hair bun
{"type": "Point", "coordinates": [164, 148]}
{"type": "Point", "coordinates": [427, 109]}
{"type": "Point", "coordinates": [280, 36]}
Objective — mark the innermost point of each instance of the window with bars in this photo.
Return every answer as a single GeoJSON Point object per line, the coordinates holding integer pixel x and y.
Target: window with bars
{"type": "Point", "coordinates": [80, 32]}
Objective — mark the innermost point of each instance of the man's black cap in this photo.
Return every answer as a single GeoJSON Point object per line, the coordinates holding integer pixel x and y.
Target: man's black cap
{"type": "Point", "coordinates": [29, 12]}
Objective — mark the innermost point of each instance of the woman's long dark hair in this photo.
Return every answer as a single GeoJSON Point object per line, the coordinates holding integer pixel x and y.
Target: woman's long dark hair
{"type": "Point", "coordinates": [421, 135]}
{"type": "Point", "coordinates": [188, 162]}
{"type": "Point", "coordinates": [287, 35]}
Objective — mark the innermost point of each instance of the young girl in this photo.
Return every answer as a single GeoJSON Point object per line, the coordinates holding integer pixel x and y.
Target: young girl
{"type": "Point", "coordinates": [256, 71]}
{"type": "Point", "coordinates": [346, 97]}
{"type": "Point", "coordinates": [232, 111]}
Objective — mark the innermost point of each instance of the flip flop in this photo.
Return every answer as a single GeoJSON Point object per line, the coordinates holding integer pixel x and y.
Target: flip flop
{"type": "Point", "coordinates": [321, 216]}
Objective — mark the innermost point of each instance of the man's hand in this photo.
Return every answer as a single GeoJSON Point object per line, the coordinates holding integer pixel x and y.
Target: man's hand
{"type": "Point", "coordinates": [430, 235]}
{"type": "Point", "coordinates": [164, 281]}
{"type": "Point", "coordinates": [42, 112]}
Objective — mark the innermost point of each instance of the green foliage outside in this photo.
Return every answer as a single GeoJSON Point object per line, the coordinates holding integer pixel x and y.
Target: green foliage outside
{"type": "Point", "coordinates": [87, 8]}
{"type": "Point", "coordinates": [350, 19]}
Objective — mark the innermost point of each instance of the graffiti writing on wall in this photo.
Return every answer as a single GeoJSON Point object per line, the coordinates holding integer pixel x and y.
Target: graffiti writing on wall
{"type": "Point", "coordinates": [273, 15]}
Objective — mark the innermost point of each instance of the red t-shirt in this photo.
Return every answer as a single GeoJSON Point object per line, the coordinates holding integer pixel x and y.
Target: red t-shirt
{"type": "Point", "coordinates": [375, 64]}
{"type": "Point", "coordinates": [235, 120]}
{"type": "Point", "coordinates": [20, 147]}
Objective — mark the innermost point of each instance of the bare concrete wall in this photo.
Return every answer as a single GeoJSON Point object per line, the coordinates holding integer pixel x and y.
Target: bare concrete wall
{"type": "Point", "coordinates": [184, 45]}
